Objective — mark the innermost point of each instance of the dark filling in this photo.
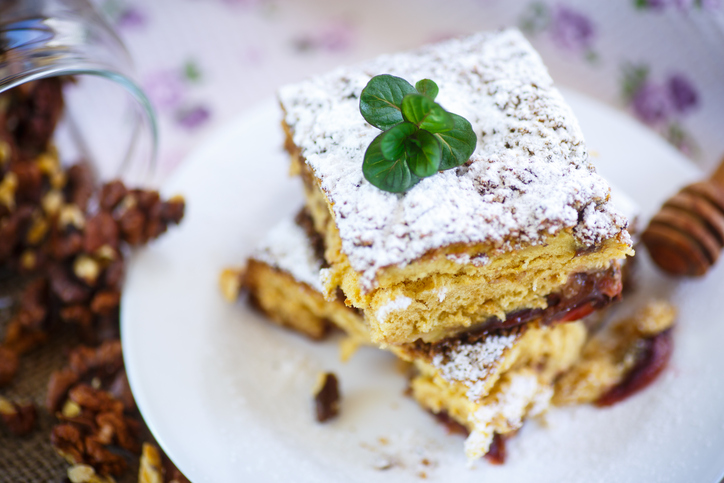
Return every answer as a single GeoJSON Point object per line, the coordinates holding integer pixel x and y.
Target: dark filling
{"type": "Point", "coordinates": [304, 221]}
{"type": "Point", "coordinates": [654, 355]}
{"type": "Point", "coordinates": [583, 294]}
{"type": "Point", "coordinates": [326, 400]}
{"type": "Point", "coordinates": [452, 426]}
{"type": "Point", "coordinates": [496, 453]}
{"type": "Point", "coordinates": [580, 296]}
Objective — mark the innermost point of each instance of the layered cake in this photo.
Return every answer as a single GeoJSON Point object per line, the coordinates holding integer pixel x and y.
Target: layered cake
{"type": "Point", "coordinates": [489, 385]}
{"type": "Point", "coordinates": [468, 273]}
{"type": "Point", "coordinates": [523, 232]}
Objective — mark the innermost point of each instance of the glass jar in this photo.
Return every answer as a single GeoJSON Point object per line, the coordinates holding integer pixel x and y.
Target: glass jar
{"type": "Point", "coordinates": [107, 119]}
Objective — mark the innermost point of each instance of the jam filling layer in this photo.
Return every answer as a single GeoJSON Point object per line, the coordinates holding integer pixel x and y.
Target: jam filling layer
{"type": "Point", "coordinates": [583, 294]}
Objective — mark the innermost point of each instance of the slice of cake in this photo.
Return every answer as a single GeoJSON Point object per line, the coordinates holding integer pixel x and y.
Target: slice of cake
{"type": "Point", "coordinates": [282, 278]}
{"type": "Point", "coordinates": [523, 232]}
{"type": "Point", "coordinates": [489, 385]}
{"type": "Point", "coordinates": [492, 386]}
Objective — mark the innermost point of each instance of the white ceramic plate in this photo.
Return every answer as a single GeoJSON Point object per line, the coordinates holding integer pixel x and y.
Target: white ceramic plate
{"type": "Point", "coordinates": [228, 395]}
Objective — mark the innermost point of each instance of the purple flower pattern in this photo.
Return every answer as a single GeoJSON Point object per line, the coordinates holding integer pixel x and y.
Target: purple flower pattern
{"type": "Point", "coordinates": [131, 18]}
{"type": "Point", "coordinates": [662, 105]}
{"type": "Point", "coordinates": [569, 29]}
{"type": "Point", "coordinates": [193, 117]}
{"type": "Point", "coordinates": [124, 15]}
{"type": "Point", "coordinates": [651, 104]}
{"type": "Point", "coordinates": [165, 89]}
{"type": "Point", "coordinates": [337, 36]}
{"type": "Point", "coordinates": [682, 5]}
{"type": "Point", "coordinates": [169, 89]}
{"type": "Point", "coordinates": [683, 95]}
{"type": "Point", "coordinates": [669, 102]}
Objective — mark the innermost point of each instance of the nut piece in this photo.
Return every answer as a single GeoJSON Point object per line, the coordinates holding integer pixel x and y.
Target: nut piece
{"type": "Point", "coordinates": [94, 399]}
{"type": "Point", "coordinates": [151, 467]}
{"type": "Point", "coordinates": [8, 365]}
{"type": "Point", "coordinates": [86, 269]}
{"type": "Point", "coordinates": [121, 390]}
{"type": "Point", "coordinates": [52, 202]}
{"type": "Point", "coordinates": [105, 302]}
{"type": "Point", "coordinates": [39, 227]}
{"type": "Point", "coordinates": [18, 418]}
{"type": "Point", "coordinates": [71, 215]}
{"type": "Point", "coordinates": [230, 281]}
{"type": "Point", "coordinates": [86, 474]}
{"type": "Point", "coordinates": [326, 397]}
{"type": "Point", "coordinates": [8, 186]}
{"type": "Point", "coordinates": [81, 184]}
{"type": "Point", "coordinates": [104, 361]}
{"type": "Point", "coordinates": [68, 290]}
{"type": "Point", "coordinates": [68, 442]}
{"type": "Point", "coordinates": [111, 195]}
{"type": "Point", "coordinates": [58, 386]}
{"type": "Point", "coordinates": [21, 339]}
{"type": "Point", "coordinates": [71, 410]}
{"type": "Point", "coordinates": [100, 230]}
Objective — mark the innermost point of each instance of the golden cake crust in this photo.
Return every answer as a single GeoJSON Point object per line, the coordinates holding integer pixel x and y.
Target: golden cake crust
{"type": "Point", "coordinates": [528, 179]}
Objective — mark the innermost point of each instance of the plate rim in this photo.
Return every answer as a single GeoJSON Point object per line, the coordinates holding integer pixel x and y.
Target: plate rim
{"type": "Point", "coordinates": [207, 145]}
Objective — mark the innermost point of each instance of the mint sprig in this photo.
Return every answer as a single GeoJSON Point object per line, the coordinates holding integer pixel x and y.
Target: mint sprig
{"type": "Point", "coordinates": [420, 138]}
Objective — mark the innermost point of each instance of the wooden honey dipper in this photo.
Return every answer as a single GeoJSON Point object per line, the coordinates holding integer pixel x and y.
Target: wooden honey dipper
{"type": "Point", "coordinates": [687, 235]}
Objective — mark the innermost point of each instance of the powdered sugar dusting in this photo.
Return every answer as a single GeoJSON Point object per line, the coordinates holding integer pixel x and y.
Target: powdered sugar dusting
{"type": "Point", "coordinates": [472, 363]}
{"type": "Point", "coordinates": [465, 258]}
{"type": "Point", "coordinates": [287, 248]}
{"type": "Point", "coordinates": [521, 394]}
{"type": "Point", "coordinates": [529, 175]}
{"type": "Point", "coordinates": [400, 303]}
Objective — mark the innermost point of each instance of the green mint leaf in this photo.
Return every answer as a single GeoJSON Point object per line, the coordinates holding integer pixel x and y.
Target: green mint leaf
{"type": "Point", "coordinates": [381, 100]}
{"type": "Point", "coordinates": [428, 88]}
{"type": "Point", "coordinates": [458, 143]}
{"type": "Point", "coordinates": [426, 113]}
{"type": "Point", "coordinates": [392, 142]}
{"type": "Point", "coordinates": [392, 176]}
{"type": "Point", "coordinates": [423, 153]}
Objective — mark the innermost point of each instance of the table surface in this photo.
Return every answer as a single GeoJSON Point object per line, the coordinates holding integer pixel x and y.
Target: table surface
{"type": "Point", "coordinates": [203, 63]}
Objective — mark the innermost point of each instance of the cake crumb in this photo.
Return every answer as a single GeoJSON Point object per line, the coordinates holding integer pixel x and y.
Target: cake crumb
{"type": "Point", "coordinates": [230, 282]}
{"type": "Point", "coordinates": [383, 463]}
{"type": "Point", "coordinates": [327, 397]}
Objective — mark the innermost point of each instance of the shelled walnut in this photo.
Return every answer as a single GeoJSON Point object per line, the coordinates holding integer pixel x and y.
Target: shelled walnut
{"type": "Point", "coordinates": [94, 419]}
{"type": "Point", "coordinates": [19, 418]}
{"type": "Point", "coordinates": [68, 236]}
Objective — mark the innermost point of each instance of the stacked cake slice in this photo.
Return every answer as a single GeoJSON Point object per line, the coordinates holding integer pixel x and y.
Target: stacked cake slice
{"type": "Point", "coordinates": [478, 275]}
{"type": "Point", "coordinates": [475, 382]}
{"type": "Point", "coordinates": [484, 245]}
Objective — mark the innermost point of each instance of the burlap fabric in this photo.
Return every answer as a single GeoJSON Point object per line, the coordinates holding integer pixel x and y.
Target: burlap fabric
{"type": "Point", "coordinates": [31, 458]}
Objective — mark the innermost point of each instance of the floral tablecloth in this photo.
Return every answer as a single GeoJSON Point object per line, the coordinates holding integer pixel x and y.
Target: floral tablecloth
{"type": "Point", "coordinates": [204, 62]}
